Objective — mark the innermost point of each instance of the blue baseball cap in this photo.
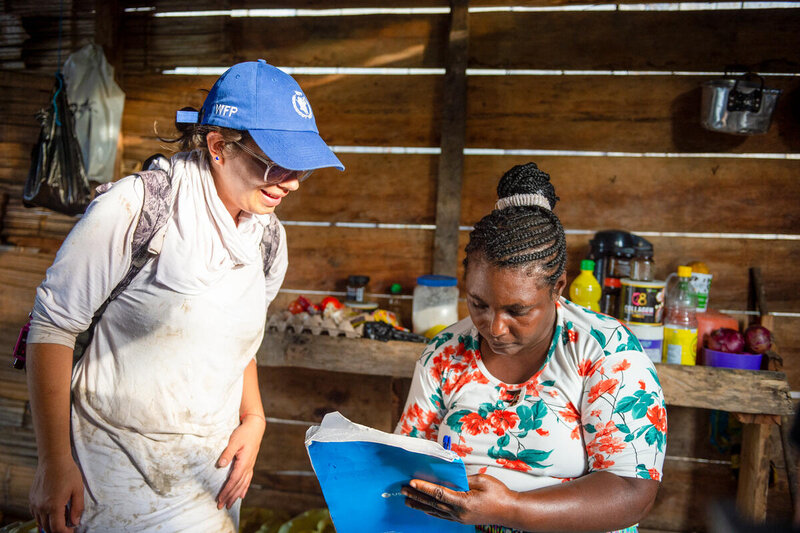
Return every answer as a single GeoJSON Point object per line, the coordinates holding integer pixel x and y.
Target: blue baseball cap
{"type": "Point", "coordinates": [268, 104]}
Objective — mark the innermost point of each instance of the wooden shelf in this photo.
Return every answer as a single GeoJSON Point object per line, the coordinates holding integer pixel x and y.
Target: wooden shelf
{"type": "Point", "coordinates": [739, 391]}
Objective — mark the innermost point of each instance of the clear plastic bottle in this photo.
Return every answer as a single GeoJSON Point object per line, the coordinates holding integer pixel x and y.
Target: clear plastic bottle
{"type": "Point", "coordinates": [394, 304]}
{"type": "Point", "coordinates": [680, 321]}
{"type": "Point", "coordinates": [585, 290]}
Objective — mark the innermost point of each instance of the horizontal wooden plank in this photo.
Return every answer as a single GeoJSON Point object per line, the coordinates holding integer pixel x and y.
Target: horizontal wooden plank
{"type": "Point", "coordinates": [360, 398]}
{"type": "Point", "coordinates": [595, 113]}
{"type": "Point", "coordinates": [323, 258]}
{"type": "Point", "coordinates": [652, 194]}
{"type": "Point", "coordinates": [619, 40]}
{"type": "Point", "coordinates": [635, 40]}
{"type": "Point", "coordinates": [611, 113]}
{"type": "Point", "coordinates": [685, 386]}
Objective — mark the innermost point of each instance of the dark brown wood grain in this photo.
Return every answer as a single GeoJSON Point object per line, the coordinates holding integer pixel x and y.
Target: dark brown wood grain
{"type": "Point", "coordinates": [587, 113]}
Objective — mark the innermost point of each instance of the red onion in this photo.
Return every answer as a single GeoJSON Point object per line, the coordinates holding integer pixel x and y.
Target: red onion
{"type": "Point", "coordinates": [758, 339]}
{"type": "Point", "coordinates": [726, 340]}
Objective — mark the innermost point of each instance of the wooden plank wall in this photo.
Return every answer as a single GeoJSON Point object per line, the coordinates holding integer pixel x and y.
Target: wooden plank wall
{"type": "Point", "coordinates": [689, 204]}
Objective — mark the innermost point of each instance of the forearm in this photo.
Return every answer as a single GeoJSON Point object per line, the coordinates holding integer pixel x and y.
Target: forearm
{"type": "Point", "coordinates": [251, 396]}
{"type": "Point", "coordinates": [49, 371]}
{"type": "Point", "coordinates": [600, 501]}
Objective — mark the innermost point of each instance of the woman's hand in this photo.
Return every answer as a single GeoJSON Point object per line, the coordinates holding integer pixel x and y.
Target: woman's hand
{"type": "Point", "coordinates": [484, 503]}
{"type": "Point", "coordinates": [242, 449]}
{"type": "Point", "coordinates": [56, 495]}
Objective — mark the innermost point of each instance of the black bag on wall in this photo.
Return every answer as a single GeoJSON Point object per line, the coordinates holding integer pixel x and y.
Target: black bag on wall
{"type": "Point", "coordinates": [57, 178]}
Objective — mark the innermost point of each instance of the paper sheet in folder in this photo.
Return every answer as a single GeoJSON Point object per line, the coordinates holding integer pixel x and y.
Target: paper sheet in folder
{"type": "Point", "coordinates": [361, 471]}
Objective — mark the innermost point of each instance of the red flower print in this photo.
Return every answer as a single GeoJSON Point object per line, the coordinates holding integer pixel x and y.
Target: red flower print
{"type": "Point", "coordinates": [507, 395]}
{"type": "Point", "coordinates": [553, 393]}
{"type": "Point", "coordinates": [607, 386]}
{"type": "Point", "coordinates": [658, 417]}
{"type": "Point", "coordinates": [572, 335]}
{"type": "Point", "coordinates": [542, 432]}
{"type": "Point", "coordinates": [405, 429]}
{"type": "Point", "coordinates": [595, 412]}
{"type": "Point", "coordinates": [575, 433]}
{"type": "Point", "coordinates": [414, 412]}
{"type": "Point", "coordinates": [654, 474]}
{"type": "Point", "coordinates": [600, 463]}
{"type": "Point", "coordinates": [450, 350]}
{"type": "Point", "coordinates": [642, 385]}
{"type": "Point", "coordinates": [534, 387]}
{"type": "Point", "coordinates": [474, 424]}
{"type": "Point", "coordinates": [621, 367]}
{"type": "Point", "coordinates": [483, 470]}
{"type": "Point", "coordinates": [587, 368]}
{"type": "Point", "coordinates": [502, 421]}
{"type": "Point", "coordinates": [570, 413]}
{"type": "Point", "coordinates": [461, 449]}
{"type": "Point", "coordinates": [565, 479]}
{"type": "Point", "coordinates": [610, 445]}
{"type": "Point", "coordinates": [460, 348]}
{"type": "Point", "coordinates": [514, 465]}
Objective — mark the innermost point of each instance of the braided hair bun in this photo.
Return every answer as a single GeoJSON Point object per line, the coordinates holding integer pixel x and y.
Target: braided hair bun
{"type": "Point", "coordinates": [523, 231]}
{"type": "Point", "coordinates": [527, 179]}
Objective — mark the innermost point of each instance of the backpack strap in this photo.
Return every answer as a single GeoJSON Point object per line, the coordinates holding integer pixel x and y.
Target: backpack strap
{"type": "Point", "coordinates": [156, 208]}
{"type": "Point", "coordinates": [270, 242]}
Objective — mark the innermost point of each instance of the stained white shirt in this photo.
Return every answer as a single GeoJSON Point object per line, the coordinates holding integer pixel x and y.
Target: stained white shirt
{"type": "Point", "coordinates": [157, 393]}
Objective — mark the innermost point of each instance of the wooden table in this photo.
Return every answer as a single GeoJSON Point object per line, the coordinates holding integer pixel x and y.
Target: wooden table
{"type": "Point", "coordinates": [757, 398]}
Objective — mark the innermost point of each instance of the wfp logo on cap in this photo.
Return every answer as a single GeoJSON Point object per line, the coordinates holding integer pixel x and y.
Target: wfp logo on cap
{"type": "Point", "coordinates": [225, 110]}
{"type": "Point", "coordinates": [301, 105]}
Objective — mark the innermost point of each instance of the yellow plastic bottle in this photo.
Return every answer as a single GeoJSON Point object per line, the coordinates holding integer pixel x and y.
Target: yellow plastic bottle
{"type": "Point", "coordinates": [585, 290]}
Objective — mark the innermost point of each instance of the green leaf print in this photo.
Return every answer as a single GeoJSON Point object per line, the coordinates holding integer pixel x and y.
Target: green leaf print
{"type": "Point", "coordinates": [504, 440]}
{"type": "Point", "coordinates": [629, 438]}
{"type": "Point", "coordinates": [441, 339]}
{"type": "Point", "coordinates": [589, 428]}
{"type": "Point", "coordinates": [470, 342]}
{"type": "Point", "coordinates": [655, 376]}
{"type": "Point", "coordinates": [548, 383]}
{"type": "Point", "coordinates": [534, 458]}
{"type": "Point", "coordinates": [523, 412]}
{"type": "Point", "coordinates": [597, 334]}
{"type": "Point", "coordinates": [639, 410]}
{"type": "Point", "coordinates": [642, 472]}
{"type": "Point", "coordinates": [633, 344]}
{"type": "Point", "coordinates": [436, 399]}
{"type": "Point", "coordinates": [625, 404]}
{"type": "Point", "coordinates": [538, 413]}
{"type": "Point", "coordinates": [650, 436]}
{"type": "Point", "coordinates": [619, 335]}
{"type": "Point", "coordinates": [499, 453]}
{"type": "Point", "coordinates": [623, 428]}
{"type": "Point", "coordinates": [454, 420]}
{"type": "Point", "coordinates": [486, 408]}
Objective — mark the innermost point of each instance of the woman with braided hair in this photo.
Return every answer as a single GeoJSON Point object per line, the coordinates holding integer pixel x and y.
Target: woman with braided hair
{"type": "Point", "coordinates": [555, 409]}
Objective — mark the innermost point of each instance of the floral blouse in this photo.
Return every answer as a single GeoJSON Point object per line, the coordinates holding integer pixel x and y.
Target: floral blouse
{"type": "Point", "coordinates": [595, 404]}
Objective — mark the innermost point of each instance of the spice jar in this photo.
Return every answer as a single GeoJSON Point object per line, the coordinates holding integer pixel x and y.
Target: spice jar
{"type": "Point", "coordinates": [356, 288]}
{"type": "Point", "coordinates": [435, 303]}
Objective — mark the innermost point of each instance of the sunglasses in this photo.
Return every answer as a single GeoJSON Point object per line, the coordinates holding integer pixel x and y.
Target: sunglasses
{"type": "Point", "coordinates": [275, 173]}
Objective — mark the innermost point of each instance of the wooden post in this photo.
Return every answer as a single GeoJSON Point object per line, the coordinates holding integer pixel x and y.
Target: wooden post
{"type": "Point", "coordinates": [751, 493]}
{"type": "Point", "coordinates": [451, 161]}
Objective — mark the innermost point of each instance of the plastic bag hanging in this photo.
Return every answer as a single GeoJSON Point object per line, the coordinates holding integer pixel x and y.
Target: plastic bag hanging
{"type": "Point", "coordinates": [57, 178]}
{"type": "Point", "coordinates": [99, 102]}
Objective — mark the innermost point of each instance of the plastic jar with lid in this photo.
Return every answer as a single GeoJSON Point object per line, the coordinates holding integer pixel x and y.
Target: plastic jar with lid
{"type": "Point", "coordinates": [356, 288]}
{"type": "Point", "coordinates": [435, 303]}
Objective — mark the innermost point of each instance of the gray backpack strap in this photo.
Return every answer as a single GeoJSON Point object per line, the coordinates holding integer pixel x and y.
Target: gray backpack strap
{"type": "Point", "coordinates": [270, 242]}
{"type": "Point", "coordinates": [156, 209]}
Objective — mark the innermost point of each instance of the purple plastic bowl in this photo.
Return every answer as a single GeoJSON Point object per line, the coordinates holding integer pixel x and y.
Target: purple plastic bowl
{"type": "Point", "coordinates": [746, 361]}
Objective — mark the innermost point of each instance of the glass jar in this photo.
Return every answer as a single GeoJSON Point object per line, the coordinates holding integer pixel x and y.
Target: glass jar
{"type": "Point", "coordinates": [435, 303]}
{"type": "Point", "coordinates": [356, 288]}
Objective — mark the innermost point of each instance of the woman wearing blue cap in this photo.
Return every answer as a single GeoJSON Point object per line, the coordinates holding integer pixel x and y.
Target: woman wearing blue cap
{"type": "Point", "coordinates": [161, 421]}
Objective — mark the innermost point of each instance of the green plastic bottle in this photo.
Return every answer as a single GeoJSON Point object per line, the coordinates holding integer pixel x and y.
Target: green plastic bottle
{"type": "Point", "coordinates": [585, 290]}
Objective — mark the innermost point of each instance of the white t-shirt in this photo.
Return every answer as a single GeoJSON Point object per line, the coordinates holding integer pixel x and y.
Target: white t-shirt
{"type": "Point", "coordinates": [157, 393]}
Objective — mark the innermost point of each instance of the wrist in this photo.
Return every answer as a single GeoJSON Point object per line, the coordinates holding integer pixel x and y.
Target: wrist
{"type": "Point", "coordinates": [252, 415]}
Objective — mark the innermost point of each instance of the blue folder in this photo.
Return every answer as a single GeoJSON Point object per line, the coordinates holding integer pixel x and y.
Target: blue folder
{"type": "Point", "coordinates": [361, 481]}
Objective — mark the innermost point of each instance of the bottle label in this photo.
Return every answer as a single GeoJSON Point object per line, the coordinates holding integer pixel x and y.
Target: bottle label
{"type": "Point", "coordinates": [680, 346]}
{"type": "Point", "coordinates": [642, 305]}
{"type": "Point", "coordinates": [653, 348]}
{"type": "Point", "coordinates": [701, 283]}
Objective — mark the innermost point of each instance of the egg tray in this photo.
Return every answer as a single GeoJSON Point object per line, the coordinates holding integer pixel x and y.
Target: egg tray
{"type": "Point", "coordinates": [285, 321]}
